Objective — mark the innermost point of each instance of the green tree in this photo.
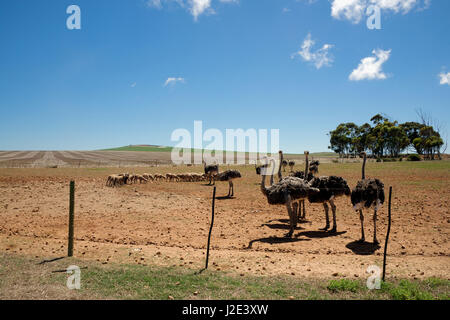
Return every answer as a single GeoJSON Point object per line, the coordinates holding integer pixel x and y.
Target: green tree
{"type": "Point", "coordinates": [412, 130]}
{"type": "Point", "coordinates": [429, 142]}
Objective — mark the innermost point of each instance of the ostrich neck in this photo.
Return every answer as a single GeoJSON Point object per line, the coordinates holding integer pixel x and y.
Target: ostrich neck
{"type": "Point", "coordinates": [306, 166]}
{"type": "Point", "coordinates": [279, 167]}
{"type": "Point", "coordinates": [263, 182]}
{"type": "Point", "coordinates": [263, 178]}
{"type": "Point", "coordinates": [364, 168]}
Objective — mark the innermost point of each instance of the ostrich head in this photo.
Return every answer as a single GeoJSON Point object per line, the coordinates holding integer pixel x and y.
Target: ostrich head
{"type": "Point", "coordinates": [364, 155]}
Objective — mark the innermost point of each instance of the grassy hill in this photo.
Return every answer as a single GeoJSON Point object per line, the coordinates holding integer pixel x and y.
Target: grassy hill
{"type": "Point", "coordinates": [148, 148]}
{"type": "Point", "coordinates": [154, 148]}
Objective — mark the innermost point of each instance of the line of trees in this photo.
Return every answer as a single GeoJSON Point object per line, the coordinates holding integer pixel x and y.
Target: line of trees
{"type": "Point", "coordinates": [386, 138]}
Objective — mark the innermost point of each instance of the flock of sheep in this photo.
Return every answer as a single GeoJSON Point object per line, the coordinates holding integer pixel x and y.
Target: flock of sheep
{"type": "Point", "coordinates": [116, 180]}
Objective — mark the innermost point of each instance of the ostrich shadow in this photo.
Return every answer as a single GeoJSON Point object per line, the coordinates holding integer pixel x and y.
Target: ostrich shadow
{"type": "Point", "coordinates": [280, 226]}
{"type": "Point", "coordinates": [363, 248]}
{"type": "Point", "coordinates": [301, 221]}
{"type": "Point", "coordinates": [275, 240]}
{"type": "Point", "coordinates": [321, 234]}
{"type": "Point", "coordinates": [225, 198]}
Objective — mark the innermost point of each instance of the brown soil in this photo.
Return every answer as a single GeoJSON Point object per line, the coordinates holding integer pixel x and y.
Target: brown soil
{"type": "Point", "coordinates": [167, 223]}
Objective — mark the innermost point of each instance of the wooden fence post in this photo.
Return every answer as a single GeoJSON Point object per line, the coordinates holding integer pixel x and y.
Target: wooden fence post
{"type": "Point", "coordinates": [388, 231]}
{"type": "Point", "coordinates": [210, 229]}
{"type": "Point", "coordinates": [71, 217]}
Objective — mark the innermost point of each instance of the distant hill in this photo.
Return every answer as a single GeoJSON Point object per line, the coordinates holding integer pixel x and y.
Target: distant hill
{"type": "Point", "coordinates": [141, 147]}
{"type": "Point", "coordinates": [156, 148]}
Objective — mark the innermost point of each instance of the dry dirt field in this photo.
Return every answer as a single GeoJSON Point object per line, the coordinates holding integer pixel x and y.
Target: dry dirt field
{"type": "Point", "coordinates": [167, 223]}
{"type": "Point", "coordinates": [80, 159]}
{"type": "Point", "coordinates": [90, 159]}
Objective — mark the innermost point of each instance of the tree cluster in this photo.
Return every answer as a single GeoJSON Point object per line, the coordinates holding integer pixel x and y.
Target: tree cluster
{"type": "Point", "coordinates": [386, 138]}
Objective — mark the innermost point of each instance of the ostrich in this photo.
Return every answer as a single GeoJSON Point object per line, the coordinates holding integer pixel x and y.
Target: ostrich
{"type": "Point", "coordinates": [211, 170]}
{"type": "Point", "coordinates": [314, 167]}
{"type": "Point", "coordinates": [284, 163]}
{"type": "Point", "coordinates": [291, 165]}
{"type": "Point", "coordinates": [330, 188]}
{"type": "Point", "coordinates": [285, 191]}
{"type": "Point", "coordinates": [309, 176]}
{"type": "Point", "coordinates": [367, 193]}
{"type": "Point", "coordinates": [229, 176]}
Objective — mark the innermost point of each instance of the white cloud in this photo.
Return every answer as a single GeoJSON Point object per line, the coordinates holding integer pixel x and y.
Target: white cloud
{"type": "Point", "coordinates": [154, 4]}
{"type": "Point", "coordinates": [348, 9]}
{"type": "Point", "coordinates": [307, 1]}
{"type": "Point", "coordinates": [445, 78]}
{"type": "Point", "coordinates": [133, 84]}
{"type": "Point", "coordinates": [173, 81]}
{"type": "Point", "coordinates": [195, 7]}
{"type": "Point", "coordinates": [319, 58]}
{"type": "Point", "coordinates": [370, 68]}
{"type": "Point", "coordinates": [354, 10]}
{"type": "Point", "coordinates": [286, 10]}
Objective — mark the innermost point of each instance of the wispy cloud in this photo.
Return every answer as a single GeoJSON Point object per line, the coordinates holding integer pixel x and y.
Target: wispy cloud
{"type": "Point", "coordinates": [154, 4]}
{"type": "Point", "coordinates": [319, 58]}
{"type": "Point", "coordinates": [133, 84]}
{"type": "Point", "coordinates": [307, 1]}
{"type": "Point", "coordinates": [195, 7]}
{"type": "Point", "coordinates": [445, 78]}
{"type": "Point", "coordinates": [354, 10]}
{"type": "Point", "coordinates": [370, 68]}
{"type": "Point", "coordinates": [173, 81]}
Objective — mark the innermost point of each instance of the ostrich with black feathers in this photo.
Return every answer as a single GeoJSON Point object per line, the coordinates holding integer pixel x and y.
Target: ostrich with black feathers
{"type": "Point", "coordinates": [284, 163]}
{"type": "Point", "coordinates": [211, 171]}
{"type": "Point", "coordinates": [314, 167]}
{"type": "Point", "coordinates": [309, 177]}
{"type": "Point", "coordinates": [229, 176]}
{"type": "Point", "coordinates": [291, 165]}
{"type": "Point", "coordinates": [330, 188]}
{"type": "Point", "coordinates": [368, 193]}
{"type": "Point", "coordinates": [285, 191]}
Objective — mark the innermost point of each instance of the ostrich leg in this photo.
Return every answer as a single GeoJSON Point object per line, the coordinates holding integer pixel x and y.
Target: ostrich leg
{"type": "Point", "coordinates": [229, 189]}
{"type": "Point", "coordinates": [333, 209]}
{"type": "Point", "coordinates": [361, 217]}
{"type": "Point", "coordinates": [292, 217]}
{"type": "Point", "coordinates": [375, 241]}
{"type": "Point", "coordinates": [327, 219]}
{"type": "Point", "coordinates": [232, 188]}
{"type": "Point", "coordinates": [295, 212]}
{"type": "Point", "coordinates": [304, 211]}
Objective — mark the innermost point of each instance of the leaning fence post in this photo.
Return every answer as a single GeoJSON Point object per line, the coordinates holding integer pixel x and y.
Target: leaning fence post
{"type": "Point", "coordinates": [388, 231]}
{"type": "Point", "coordinates": [71, 217]}
{"type": "Point", "coordinates": [210, 228]}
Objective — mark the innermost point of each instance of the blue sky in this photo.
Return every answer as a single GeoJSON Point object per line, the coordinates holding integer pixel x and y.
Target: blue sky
{"type": "Point", "coordinates": [138, 70]}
